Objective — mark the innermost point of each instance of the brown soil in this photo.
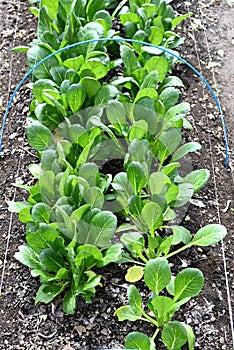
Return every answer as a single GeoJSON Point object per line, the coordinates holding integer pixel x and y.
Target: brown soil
{"type": "Point", "coordinates": [26, 326]}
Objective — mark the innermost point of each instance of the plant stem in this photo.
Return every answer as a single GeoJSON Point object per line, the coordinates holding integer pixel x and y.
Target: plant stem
{"type": "Point", "coordinates": [155, 334]}
{"type": "Point", "coordinates": [149, 319]}
{"type": "Point", "coordinates": [178, 250]}
{"type": "Point", "coordinates": [122, 3]}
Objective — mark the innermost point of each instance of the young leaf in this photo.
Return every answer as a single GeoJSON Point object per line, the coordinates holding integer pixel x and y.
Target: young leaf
{"type": "Point", "coordinates": [158, 183]}
{"type": "Point", "coordinates": [135, 300]}
{"type": "Point", "coordinates": [52, 260]}
{"type": "Point", "coordinates": [190, 336]}
{"type": "Point", "coordinates": [174, 335]}
{"type": "Point", "coordinates": [75, 96]}
{"type": "Point", "coordinates": [126, 313]}
{"type": "Point", "coordinates": [136, 340]}
{"type": "Point", "coordinates": [105, 94]}
{"type": "Point", "coordinates": [47, 292]}
{"type": "Point", "coordinates": [188, 283]}
{"type": "Point", "coordinates": [138, 130]}
{"type": "Point", "coordinates": [198, 178]}
{"type": "Point", "coordinates": [102, 228]}
{"type": "Point", "coordinates": [129, 59]}
{"type": "Point", "coordinates": [180, 234]}
{"type": "Point", "coordinates": [157, 274]}
{"type": "Point", "coordinates": [150, 81]}
{"type": "Point", "coordinates": [69, 303]}
{"type": "Point", "coordinates": [134, 274]}
{"type": "Point", "coordinates": [41, 213]}
{"type": "Point", "coordinates": [160, 305]}
{"type": "Point", "coordinates": [39, 136]}
{"type": "Point", "coordinates": [152, 215]}
{"type": "Point", "coordinates": [157, 64]}
{"type": "Point", "coordinates": [16, 207]}
{"type": "Point", "coordinates": [136, 176]}
{"type": "Point", "coordinates": [28, 257]}
{"type": "Point", "coordinates": [169, 97]}
{"type": "Point", "coordinates": [92, 86]}
{"type": "Point", "coordinates": [184, 195]}
{"type": "Point", "coordinates": [209, 235]}
{"type": "Point", "coordinates": [185, 149]}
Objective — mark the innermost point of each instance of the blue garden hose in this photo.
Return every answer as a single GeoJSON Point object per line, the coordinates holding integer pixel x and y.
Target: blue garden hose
{"type": "Point", "coordinates": [119, 39]}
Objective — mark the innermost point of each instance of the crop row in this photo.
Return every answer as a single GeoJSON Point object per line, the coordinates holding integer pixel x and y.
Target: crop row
{"type": "Point", "coordinates": [107, 126]}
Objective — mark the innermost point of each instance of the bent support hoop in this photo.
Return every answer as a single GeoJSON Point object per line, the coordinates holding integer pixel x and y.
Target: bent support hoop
{"type": "Point", "coordinates": [119, 39]}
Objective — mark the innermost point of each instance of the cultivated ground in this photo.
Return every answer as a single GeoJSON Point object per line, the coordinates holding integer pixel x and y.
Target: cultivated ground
{"type": "Point", "coordinates": [209, 46]}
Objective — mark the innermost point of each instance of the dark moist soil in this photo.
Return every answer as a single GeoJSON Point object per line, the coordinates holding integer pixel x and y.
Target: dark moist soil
{"type": "Point", "coordinates": [26, 326]}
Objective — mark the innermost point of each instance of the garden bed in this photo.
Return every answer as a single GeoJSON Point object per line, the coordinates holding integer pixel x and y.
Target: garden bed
{"type": "Point", "coordinates": [26, 326]}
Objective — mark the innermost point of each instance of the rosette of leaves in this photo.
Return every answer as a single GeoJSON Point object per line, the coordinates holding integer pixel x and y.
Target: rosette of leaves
{"type": "Point", "coordinates": [169, 293]}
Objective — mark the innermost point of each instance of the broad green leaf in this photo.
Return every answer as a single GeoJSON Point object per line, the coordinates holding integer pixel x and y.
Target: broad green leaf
{"type": "Point", "coordinates": [25, 215]}
{"type": "Point", "coordinates": [135, 300]}
{"type": "Point", "coordinates": [47, 181]}
{"type": "Point", "coordinates": [39, 136]}
{"type": "Point", "coordinates": [134, 274]}
{"type": "Point", "coordinates": [116, 113]}
{"type": "Point", "coordinates": [170, 141]}
{"type": "Point", "coordinates": [94, 68]}
{"type": "Point", "coordinates": [89, 172]}
{"type": "Point", "coordinates": [174, 335]}
{"type": "Point", "coordinates": [158, 183]}
{"type": "Point", "coordinates": [184, 195]}
{"type": "Point", "coordinates": [159, 64]}
{"type": "Point", "coordinates": [209, 235]}
{"type": "Point", "coordinates": [146, 92]}
{"type": "Point", "coordinates": [126, 313]}
{"type": "Point", "coordinates": [36, 54]}
{"type": "Point", "coordinates": [112, 254]}
{"type": "Point", "coordinates": [134, 242]}
{"type": "Point", "coordinates": [93, 6]}
{"type": "Point", "coordinates": [190, 335]}
{"type": "Point", "coordinates": [92, 86]}
{"type": "Point", "coordinates": [129, 17]}
{"type": "Point", "coordinates": [74, 63]}
{"type": "Point", "coordinates": [157, 274]}
{"type": "Point", "coordinates": [16, 207]}
{"type": "Point", "coordinates": [41, 213]}
{"type": "Point", "coordinates": [178, 19]}
{"type": "Point", "coordinates": [160, 305]}
{"type": "Point", "coordinates": [69, 303]}
{"type": "Point", "coordinates": [150, 81]}
{"type": "Point", "coordinates": [188, 283]}
{"type": "Point", "coordinates": [47, 292]}
{"type": "Point", "coordinates": [105, 94]}
{"type": "Point", "coordinates": [138, 130]}
{"type": "Point", "coordinates": [52, 7]}
{"type": "Point", "coordinates": [95, 197]}
{"type": "Point", "coordinates": [136, 176]}
{"type": "Point", "coordinates": [28, 257]}
{"type": "Point", "coordinates": [169, 97]}
{"type": "Point", "coordinates": [156, 35]}
{"type": "Point", "coordinates": [51, 260]}
{"type": "Point", "coordinates": [76, 96]}
{"type": "Point", "coordinates": [197, 178]}
{"type": "Point", "coordinates": [101, 229]}
{"type": "Point", "coordinates": [129, 59]}
{"type": "Point", "coordinates": [136, 340]}
{"type": "Point", "coordinates": [135, 205]}
{"type": "Point", "coordinates": [181, 234]}
{"type": "Point", "coordinates": [185, 149]}
{"type": "Point", "coordinates": [171, 81]}
{"type": "Point", "coordinates": [40, 85]}
{"type": "Point", "coordinates": [152, 215]}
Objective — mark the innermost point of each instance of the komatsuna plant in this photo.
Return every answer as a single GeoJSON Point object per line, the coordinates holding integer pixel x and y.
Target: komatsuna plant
{"type": "Point", "coordinates": [168, 294]}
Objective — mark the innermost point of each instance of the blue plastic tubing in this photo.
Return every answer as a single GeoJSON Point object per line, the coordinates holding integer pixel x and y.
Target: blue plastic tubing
{"type": "Point", "coordinates": [119, 39]}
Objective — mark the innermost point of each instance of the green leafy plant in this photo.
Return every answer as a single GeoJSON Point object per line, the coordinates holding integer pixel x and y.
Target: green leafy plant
{"type": "Point", "coordinates": [179, 290]}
